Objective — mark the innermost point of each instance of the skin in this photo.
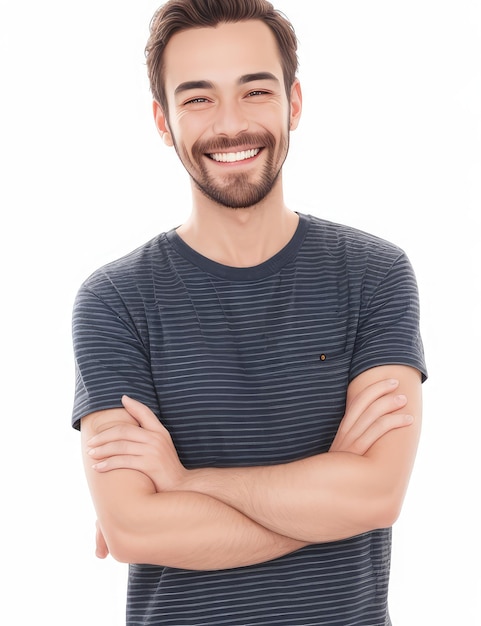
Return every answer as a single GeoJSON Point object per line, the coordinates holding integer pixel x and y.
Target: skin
{"type": "Point", "coordinates": [229, 98]}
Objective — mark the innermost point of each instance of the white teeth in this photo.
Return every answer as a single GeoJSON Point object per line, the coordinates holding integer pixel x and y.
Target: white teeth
{"type": "Point", "coordinates": [233, 157]}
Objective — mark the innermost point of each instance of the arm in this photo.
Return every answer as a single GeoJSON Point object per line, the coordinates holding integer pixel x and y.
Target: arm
{"type": "Point", "coordinates": [334, 495]}
{"type": "Point", "coordinates": [184, 530]}
{"type": "Point", "coordinates": [138, 525]}
{"type": "Point", "coordinates": [371, 414]}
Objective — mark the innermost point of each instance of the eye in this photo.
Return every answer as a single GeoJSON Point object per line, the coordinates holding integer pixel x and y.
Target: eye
{"type": "Point", "coordinates": [257, 92]}
{"type": "Point", "coordinates": [196, 101]}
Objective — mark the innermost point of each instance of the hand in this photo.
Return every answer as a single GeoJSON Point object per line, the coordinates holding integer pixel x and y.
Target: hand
{"type": "Point", "coordinates": [370, 415]}
{"type": "Point", "coordinates": [101, 548]}
{"type": "Point", "coordinates": [147, 448]}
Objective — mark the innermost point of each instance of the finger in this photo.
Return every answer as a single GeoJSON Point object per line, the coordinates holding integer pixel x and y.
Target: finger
{"type": "Point", "coordinates": [385, 405]}
{"type": "Point", "coordinates": [118, 448]}
{"type": "Point", "coordinates": [101, 548]}
{"type": "Point", "coordinates": [121, 432]}
{"type": "Point", "coordinates": [121, 461]}
{"type": "Point", "coordinates": [378, 429]}
{"type": "Point", "coordinates": [144, 416]}
{"type": "Point", "coordinates": [366, 398]}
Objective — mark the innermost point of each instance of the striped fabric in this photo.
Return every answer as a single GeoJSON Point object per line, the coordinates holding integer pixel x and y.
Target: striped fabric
{"type": "Point", "coordinates": [250, 366]}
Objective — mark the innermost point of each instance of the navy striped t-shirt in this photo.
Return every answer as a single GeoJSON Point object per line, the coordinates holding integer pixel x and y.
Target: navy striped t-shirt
{"type": "Point", "coordinates": [250, 366]}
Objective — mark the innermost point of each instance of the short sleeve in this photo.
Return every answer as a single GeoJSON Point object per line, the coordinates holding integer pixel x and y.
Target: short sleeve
{"type": "Point", "coordinates": [389, 324]}
{"type": "Point", "coordinates": [110, 357]}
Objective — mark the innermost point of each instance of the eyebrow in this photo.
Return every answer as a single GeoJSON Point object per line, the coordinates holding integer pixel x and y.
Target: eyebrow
{"type": "Point", "coordinates": [251, 78]}
{"type": "Point", "coordinates": [205, 84]}
{"type": "Point", "coordinates": [193, 84]}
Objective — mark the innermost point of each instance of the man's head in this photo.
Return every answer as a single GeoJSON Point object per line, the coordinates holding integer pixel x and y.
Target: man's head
{"type": "Point", "coordinates": [178, 15]}
{"type": "Point", "coordinates": [225, 94]}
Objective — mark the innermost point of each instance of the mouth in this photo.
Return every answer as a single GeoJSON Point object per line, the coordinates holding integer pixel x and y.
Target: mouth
{"type": "Point", "coordinates": [234, 157]}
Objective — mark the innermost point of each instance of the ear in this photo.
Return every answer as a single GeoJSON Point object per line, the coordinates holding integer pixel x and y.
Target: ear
{"type": "Point", "coordinates": [162, 125]}
{"type": "Point", "coordinates": [296, 105]}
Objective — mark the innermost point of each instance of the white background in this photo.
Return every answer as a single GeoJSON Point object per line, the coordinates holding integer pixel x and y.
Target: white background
{"type": "Point", "coordinates": [389, 142]}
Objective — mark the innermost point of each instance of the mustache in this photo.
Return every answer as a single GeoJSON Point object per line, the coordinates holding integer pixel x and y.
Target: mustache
{"type": "Point", "coordinates": [219, 144]}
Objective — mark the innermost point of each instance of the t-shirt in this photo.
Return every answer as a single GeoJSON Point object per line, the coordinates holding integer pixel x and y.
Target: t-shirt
{"type": "Point", "coordinates": [250, 366]}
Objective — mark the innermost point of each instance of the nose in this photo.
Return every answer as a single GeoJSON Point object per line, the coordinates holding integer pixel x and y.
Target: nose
{"type": "Point", "coordinates": [230, 119]}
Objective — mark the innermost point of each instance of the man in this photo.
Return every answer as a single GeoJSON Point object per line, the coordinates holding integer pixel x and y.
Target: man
{"type": "Point", "coordinates": [248, 385]}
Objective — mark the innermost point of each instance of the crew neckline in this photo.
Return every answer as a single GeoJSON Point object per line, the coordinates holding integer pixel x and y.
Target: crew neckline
{"type": "Point", "coordinates": [263, 270]}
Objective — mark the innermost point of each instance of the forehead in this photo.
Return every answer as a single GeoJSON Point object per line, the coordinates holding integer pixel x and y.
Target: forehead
{"type": "Point", "coordinates": [221, 54]}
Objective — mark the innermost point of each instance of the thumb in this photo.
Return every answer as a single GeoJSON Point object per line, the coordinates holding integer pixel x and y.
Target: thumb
{"type": "Point", "coordinates": [141, 412]}
{"type": "Point", "coordinates": [101, 548]}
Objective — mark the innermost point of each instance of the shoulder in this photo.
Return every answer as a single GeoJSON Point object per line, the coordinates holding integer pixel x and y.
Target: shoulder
{"type": "Point", "coordinates": [351, 252]}
{"type": "Point", "coordinates": [130, 266]}
{"type": "Point", "coordinates": [338, 238]}
{"type": "Point", "coordinates": [129, 277]}
{"type": "Point", "coordinates": [359, 261]}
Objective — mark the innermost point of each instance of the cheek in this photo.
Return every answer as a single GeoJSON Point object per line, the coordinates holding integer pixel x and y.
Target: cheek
{"type": "Point", "coordinates": [186, 137]}
{"type": "Point", "coordinates": [275, 115]}
{"type": "Point", "coordinates": [193, 124]}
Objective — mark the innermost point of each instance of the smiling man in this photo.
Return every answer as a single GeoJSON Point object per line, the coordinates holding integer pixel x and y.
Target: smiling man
{"type": "Point", "coordinates": [230, 131]}
{"type": "Point", "coordinates": [248, 384]}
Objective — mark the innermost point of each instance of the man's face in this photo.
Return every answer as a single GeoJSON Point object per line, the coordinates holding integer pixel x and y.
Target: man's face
{"type": "Point", "coordinates": [229, 116]}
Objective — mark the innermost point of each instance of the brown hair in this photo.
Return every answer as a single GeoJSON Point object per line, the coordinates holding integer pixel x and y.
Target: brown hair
{"type": "Point", "coordinates": [179, 15]}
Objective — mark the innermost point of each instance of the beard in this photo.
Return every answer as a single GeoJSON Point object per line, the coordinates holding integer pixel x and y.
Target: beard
{"type": "Point", "coordinates": [235, 190]}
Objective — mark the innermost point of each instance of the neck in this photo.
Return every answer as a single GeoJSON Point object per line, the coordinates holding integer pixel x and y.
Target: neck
{"type": "Point", "coordinates": [239, 237]}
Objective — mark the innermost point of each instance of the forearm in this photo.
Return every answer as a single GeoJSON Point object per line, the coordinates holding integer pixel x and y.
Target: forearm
{"type": "Point", "coordinates": [323, 498]}
{"type": "Point", "coordinates": [187, 530]}
{"type": "Point", "coordinates": [245, 514]}
{"type": "Point", "coordinates": [337, 494]}
{"type": "Point", "coordinates": [169, 528]}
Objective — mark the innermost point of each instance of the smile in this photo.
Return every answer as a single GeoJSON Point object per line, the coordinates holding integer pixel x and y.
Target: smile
{"type": "Point", "coordinates": [234, 157]}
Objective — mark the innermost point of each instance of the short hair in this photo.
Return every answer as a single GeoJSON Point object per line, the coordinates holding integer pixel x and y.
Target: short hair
{"type": "Point", "coordinates": [179, 15]}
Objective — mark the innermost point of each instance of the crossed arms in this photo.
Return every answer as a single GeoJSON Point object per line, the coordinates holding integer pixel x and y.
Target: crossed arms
{"type": "Point", "coordinates": [152, 510]}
